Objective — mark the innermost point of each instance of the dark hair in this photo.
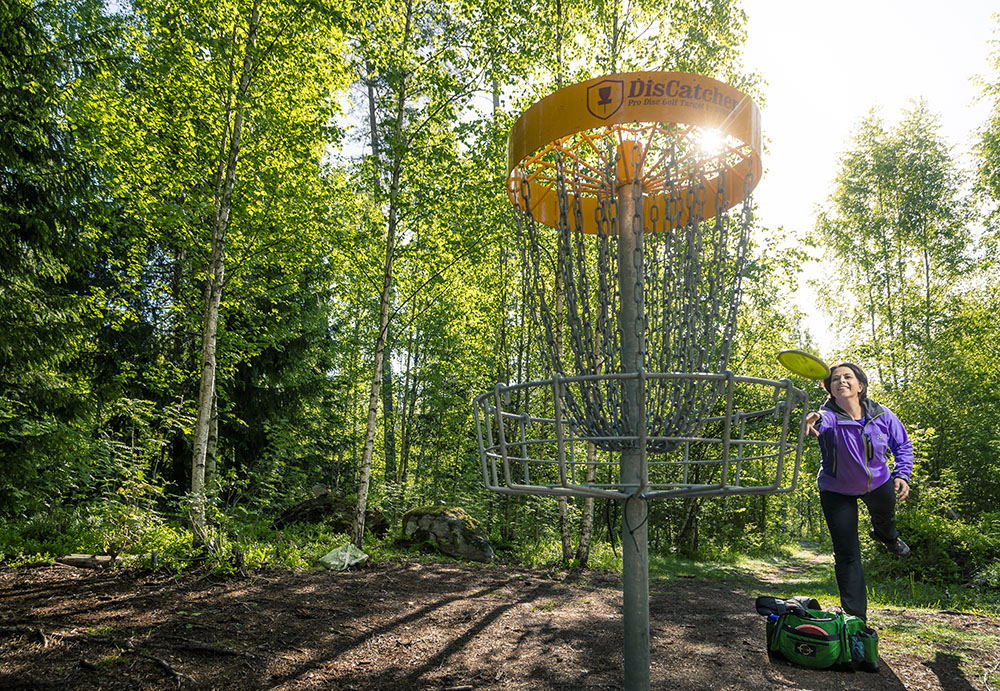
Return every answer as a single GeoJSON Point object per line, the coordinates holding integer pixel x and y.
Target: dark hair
{"type": "Point", "coordinates": [858, 372]}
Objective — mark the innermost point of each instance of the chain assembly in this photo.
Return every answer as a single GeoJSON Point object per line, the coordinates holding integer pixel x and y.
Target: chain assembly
{"type": "Point", "coordinates": [633, 235]}
{"type": "Point", "coordinates": [684, 291]}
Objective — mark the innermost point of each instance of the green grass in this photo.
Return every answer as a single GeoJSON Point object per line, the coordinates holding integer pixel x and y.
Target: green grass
{"type": "Point", "coordinates": [803, 574]}
{"type": "Point", "coordinates": [925, 638]}
{"type": "Point", "coordinates": [912, 593]}
{"type": "Point", "coordinates": [671, 566]}
{"type": "Point", "coordinates": [158, 542]}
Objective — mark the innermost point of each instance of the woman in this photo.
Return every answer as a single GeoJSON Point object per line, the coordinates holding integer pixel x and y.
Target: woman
{"type": "Point", "coordinates": [854, 434]}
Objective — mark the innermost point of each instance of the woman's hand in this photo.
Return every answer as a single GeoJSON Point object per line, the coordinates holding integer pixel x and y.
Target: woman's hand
{"type": "Point", "coordinates": [812, 420]}
{"type": "Point", "coordinates": [902, 489]}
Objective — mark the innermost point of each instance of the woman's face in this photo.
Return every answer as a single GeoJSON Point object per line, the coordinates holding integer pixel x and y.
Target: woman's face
{"type": "Point", "coordinates": [844, 384]}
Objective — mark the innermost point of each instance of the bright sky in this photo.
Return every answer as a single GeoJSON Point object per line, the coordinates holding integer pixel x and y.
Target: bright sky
{"type": "Point", "coordinates": [828, 63]}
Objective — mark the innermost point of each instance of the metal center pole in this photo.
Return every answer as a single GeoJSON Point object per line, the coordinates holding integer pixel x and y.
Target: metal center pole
{"type": "Point", "coordinates": [635, 550]}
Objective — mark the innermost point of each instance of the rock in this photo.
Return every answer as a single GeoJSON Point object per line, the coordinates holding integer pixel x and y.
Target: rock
{"type": "Point", "coordinates": [450, 530]}
{"type": "Point", "coordinates": [324, 505]}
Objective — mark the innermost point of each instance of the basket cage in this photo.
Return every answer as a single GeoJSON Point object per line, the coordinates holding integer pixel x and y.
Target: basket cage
{"type": "Point", "coordinates": [749, 443]}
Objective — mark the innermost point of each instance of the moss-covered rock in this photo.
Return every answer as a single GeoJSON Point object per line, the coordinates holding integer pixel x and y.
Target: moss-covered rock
{"type": "Point", "coordinates": [334, 510]}
{"type": "Point", "coordinates": [450, 530]}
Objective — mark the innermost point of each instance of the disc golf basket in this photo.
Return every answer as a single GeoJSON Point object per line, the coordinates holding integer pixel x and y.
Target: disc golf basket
{"type": "Point", "coordinates": [634, 300]}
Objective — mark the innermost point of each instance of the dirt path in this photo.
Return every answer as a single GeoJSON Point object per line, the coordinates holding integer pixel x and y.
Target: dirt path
{"type": "Point", "coordinates": [443, 626]}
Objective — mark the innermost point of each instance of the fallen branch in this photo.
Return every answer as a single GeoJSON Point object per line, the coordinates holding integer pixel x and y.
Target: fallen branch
{"type": "Point", "coordinates": [191, 644]}
{"type": "Point", "coordinates": [86, 561]}
{"type": "Point", "coordinates": [177, 675]}
{"type": "Point", "coordinates": [26, 630]}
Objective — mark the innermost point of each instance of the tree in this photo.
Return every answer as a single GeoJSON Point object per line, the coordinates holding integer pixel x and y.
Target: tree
{"type": "Point", "coordinates": [897, 224]}
{"type": "Point", "coordinates": [987, 151]}
{"type": "Point", "coordinates": [232, 134]}
{"type": "Point", "coordinates": [212, 136]}
{"type": "Point", "coordinates": [46, 205]}
{"type": "Point", "coordinates": [899, 227]}
{"type": "Point", "coordinates": [420, 64]}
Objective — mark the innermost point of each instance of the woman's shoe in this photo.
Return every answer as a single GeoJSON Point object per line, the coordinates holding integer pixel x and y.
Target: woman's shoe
{"type": "Point", "coordinates": [895, 546]}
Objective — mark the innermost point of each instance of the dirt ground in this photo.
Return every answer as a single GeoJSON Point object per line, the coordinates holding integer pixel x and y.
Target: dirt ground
{"type": "Point", "coordinates": [419, 626]}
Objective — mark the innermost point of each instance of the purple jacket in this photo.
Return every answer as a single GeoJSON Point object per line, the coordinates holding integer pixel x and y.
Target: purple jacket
{"type": "Point", "coordinates": [853, 451]}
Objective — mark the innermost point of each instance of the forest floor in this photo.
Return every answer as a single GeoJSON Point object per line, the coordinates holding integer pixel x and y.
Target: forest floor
{"type": "Point", "coordinates": [414, 625]}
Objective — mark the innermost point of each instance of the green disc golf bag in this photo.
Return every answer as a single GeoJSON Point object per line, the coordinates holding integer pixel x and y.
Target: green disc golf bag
{"type": "Point", "coordinates": [820, 640]}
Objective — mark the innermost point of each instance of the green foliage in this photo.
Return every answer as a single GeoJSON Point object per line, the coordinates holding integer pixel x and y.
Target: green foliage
{"type": "Point", "coordinates": [922, 304]}
{"type": "Point", "coordinates": [946, 550]}
{"type": "Point", "coordinates": [44, 536]}
{"type": "Point", "coordinates": [987, 150]}
{"type": "Point", "coordinates": [898, 223]}
{"type": "Point", "coordinates": [114, 128]}
{"type": "Point", "coordinates": [952, 561]}
{"type": "Point", "coordinates": [950, 406]}
{"type": "Point", "coordinates": [45, 200]}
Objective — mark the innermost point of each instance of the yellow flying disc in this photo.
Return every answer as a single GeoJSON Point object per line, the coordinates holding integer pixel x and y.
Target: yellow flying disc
{"type": "Point", "coordinates": [803, 364]}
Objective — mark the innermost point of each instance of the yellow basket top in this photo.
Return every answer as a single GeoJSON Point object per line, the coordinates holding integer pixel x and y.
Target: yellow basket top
{"type": "Point", "coordinates": [644, 110]}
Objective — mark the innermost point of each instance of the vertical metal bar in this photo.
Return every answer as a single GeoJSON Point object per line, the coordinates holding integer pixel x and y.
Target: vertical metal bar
{"type": "Point", "coordinates": [802, 431]}
{"type": "Point", "coordinates": [740, 449]}
{"type": "Point", "coordinates": [687, 463]}
{"type": "Point", "coordinates": [727, 427]}
{"type": "Point", "coordinates": [491, 482]}
{"type": "Point", "coordinates": [783, 442]}
{"type": "Point", "coordinates": [501, 436]}
{"type": "Point", "coordinates": [643, 433]}
{"type": "Point", "coordinates": [635, 548]}
{"type": "Point", "coordinates": [522, 425]}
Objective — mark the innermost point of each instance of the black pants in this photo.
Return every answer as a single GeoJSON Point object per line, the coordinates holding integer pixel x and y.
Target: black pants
{"type": "Point", "coordinates": [841, 512]}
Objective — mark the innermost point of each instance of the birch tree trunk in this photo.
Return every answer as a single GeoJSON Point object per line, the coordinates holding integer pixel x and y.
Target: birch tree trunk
{"type": "Point", "coordinates": [564, 527]}
{"type": "Point", "coordinates": [389, 420]}
{"type": "Point", "coordinates": [215, 283]}
{"type": "Point", "coordinates": [364, 480]}
{"type": "Point", "coordinates": [587, 521]}
{"type": "Point", "coordinates": [211, 451]}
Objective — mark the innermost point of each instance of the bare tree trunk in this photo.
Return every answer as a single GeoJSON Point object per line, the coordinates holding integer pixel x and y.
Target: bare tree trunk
{"type": "Point", "coordinates": [352, 395]}
{"type": "Point", "coordinates": [364, 482]}
{"type": "Point", "coordinates": [927, 293]}
{"type": "Point", "coordinates": [564, 531]}
{"type": "Point", "coordinates": [389, 420]}
{"type": "Point", "coordinates": [687, 536]}
{"type": "Point", "coordinates": [587, 522]}
{"type": "Point", "coordinates": [509, 516]}
{"type": "Point", "coordinates": [211, 465]}
{"type": "Point", "coordinates": [409, 404]}
{"type": "Point", "coordinates": [213, 289]}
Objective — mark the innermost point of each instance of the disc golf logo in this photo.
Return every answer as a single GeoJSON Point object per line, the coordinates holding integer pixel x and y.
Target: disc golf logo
{"type": "Point", "coordinates": [805, 649]}
{"type": "Point", "coordinates": [605, 98]}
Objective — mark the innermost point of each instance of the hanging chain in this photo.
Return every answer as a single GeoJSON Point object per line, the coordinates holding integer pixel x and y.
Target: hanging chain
{"type": "Point", "coordinates": [688, 260]}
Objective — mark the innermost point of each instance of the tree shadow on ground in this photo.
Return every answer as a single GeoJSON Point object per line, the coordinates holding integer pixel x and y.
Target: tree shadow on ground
{"type": "Point", "coordinates": [949, 672]}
